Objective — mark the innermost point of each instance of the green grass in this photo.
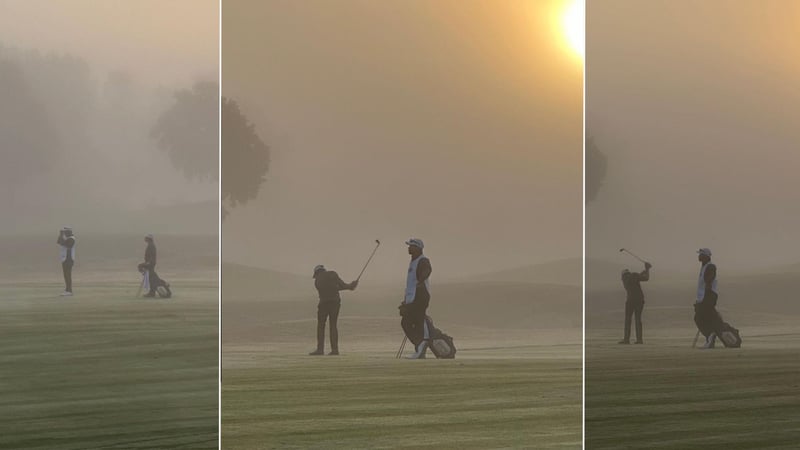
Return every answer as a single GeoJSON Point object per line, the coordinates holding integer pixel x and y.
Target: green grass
{"type": "Point", "coordinates": [371, 400]}
{"type": "Point", "coordinates": [106, 370]}
{"type": "Point", "coordinates": [666, 395]}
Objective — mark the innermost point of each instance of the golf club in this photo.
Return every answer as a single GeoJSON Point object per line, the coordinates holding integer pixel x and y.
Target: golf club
{"type": "Point", "coordinates": [402, 347]}
{"type": "Point", "coordinates": [378, 243]}
{"type": "Point", "coordinates": [631, 253]}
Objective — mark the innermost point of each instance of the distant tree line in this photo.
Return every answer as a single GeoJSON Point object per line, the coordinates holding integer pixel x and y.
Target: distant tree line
{"type": "Point", "coordinates": [57, 120]}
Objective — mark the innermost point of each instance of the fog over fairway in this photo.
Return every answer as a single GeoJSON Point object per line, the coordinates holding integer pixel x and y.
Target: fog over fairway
{"type": "Point", "coordinates": [456, 123]}
{"type": "Point", "coordinates": [695, 106]}
{"type": "Point", "coordinates": [82, 85]}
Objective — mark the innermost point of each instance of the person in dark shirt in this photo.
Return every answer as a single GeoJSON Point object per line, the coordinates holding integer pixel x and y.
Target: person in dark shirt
{"type": "Point", "coordinates": [66, 239]}
{"type": "Point", "coordinates": [328, 285]}
{"type": "Point", "coordinates": [634, 302]}
{"type": "Point", "coordinates": [149, 266]}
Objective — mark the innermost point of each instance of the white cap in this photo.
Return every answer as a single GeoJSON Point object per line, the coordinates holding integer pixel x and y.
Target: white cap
{"type": "Point", "coordinates": [148, 236]}
{"type": "Point", "coordinates": [704, 251]}
{"type": "Point", "coordinates": [416, 243]}
{"type": "Point", "coordinates": [66, 228]}
{"type": "Point", "coordinates": [317, 268]}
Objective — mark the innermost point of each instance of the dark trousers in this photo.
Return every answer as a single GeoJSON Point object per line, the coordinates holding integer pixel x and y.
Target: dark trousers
{"type": "Point", "coordinates": [707, 318]}
{"type": "Point", "coordinates": [155, 281]}
{"type": "Point", "coordinates": [66, 267]}
{"type": "Point", "coordinates": [413, 321]}
{"type": "Point", "coordinates": [631, 308]}
{"type": "Point", "coordinates": [327, 310]}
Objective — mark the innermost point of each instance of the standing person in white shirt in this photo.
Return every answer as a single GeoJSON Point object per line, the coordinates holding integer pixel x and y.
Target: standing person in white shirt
{"type": "Point", "coordinates": [66, 240]}
{"type": "Point", "coordinates": [417, 297]}
{"type": "Point", "coordinates": [706, 317]}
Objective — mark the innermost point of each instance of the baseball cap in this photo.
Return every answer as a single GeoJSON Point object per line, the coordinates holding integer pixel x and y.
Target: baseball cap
{"type": "Point", "coordinates": [317, 268]}
{"type": "Point", "coordinates": [704, 251]}
{"type": "Point", "coordinates": [415, 242]}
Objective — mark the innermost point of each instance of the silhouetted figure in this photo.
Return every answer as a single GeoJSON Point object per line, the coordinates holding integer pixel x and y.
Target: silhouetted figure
{"type": "Point", "coordinates": [706, 317]}
{"type": "Point", "coordinates": [153, 281]}
{"type": "Point", "coordinates": [328, 285]}
{"type": "Point", "coordinates": [415, 304]}
{"type": "Point", "coordinates": [66, 239]}
{"type": "Point", "coordinates": [634, 302]}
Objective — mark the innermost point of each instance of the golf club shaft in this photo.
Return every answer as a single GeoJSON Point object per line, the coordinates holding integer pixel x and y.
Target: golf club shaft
{"type": "Point", "coordinates": [631, 253]}
{"type": "Point", "coordinates": [368, 260]}
{"type": "Point", "coordinates": [696, 336]}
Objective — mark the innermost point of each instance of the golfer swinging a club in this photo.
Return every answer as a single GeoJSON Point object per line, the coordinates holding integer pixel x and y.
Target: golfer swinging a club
{"type": "Point", "coordinates": [634, 303]}
{"type": "Point", "coordinates": [417, 298]}
{"type": "Point", "coordinates": [328, 285]}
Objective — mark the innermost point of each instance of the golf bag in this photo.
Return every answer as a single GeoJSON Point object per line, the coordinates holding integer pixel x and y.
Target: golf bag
{"type": "Point", "coordinates": [160, 285]}
{"type": "Point", "coordinates": [440, 344]}
{"type": "Point", "coordinates": [163, 290]}
{"type": "Point", "coordinates": [729, 335]}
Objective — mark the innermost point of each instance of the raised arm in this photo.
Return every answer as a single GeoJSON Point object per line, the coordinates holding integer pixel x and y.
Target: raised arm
{"type": "Point", "coordinates": [345, 286]}
{"type": "Point", "coordinates": [645, 274]}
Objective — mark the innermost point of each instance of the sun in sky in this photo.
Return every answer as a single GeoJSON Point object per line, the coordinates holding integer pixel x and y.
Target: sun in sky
{"type": "Point", "coordinates": [572, 21]}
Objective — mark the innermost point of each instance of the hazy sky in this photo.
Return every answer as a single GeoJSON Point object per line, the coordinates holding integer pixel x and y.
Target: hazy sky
{"type": "Point", "coordinates": [163, 41]}
{"type": "Point", "coordinates": [696, 106]}
{"type": "Point", "coordinates": [137, 53]}
{"type": "Point", "coordinates": [458, 122]}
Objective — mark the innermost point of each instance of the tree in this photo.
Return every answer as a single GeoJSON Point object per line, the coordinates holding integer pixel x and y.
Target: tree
{"type": "Point", "coordinates": [596, 164]}
{"type": "Point", "coordinates": [245, 158]}
{"type": "Point", "coordinates": [188, 131]}
{"type": "Point", "coordinates": [28, 139]}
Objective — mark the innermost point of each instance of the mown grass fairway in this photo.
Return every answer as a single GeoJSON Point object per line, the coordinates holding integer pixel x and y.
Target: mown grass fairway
{"type": "Point", "coordinates": [104, 369]}
{"type": "Point", "coordinates": [664, 394]}
{"type": "Point", "coordinates": [515, 381]}
{"type": "Point", "coordinates": [370, 400]}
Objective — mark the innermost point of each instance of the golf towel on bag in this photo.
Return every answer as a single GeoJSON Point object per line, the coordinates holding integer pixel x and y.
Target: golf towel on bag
{"type": "Point", "coordinates": [162, 288]}
{"type": "Point", "coordinates": [146, 281]}
{"type": "Point", "coordinates": [440, 344]}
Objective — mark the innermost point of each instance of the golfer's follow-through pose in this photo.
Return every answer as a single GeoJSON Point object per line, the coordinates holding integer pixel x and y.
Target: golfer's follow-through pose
{"type": "Point", "coordinates": [706, 316]}
{"type": "Point", "coordinates": [417, 298]}
{"type": "Point", "coordinates": [634, 302]}
{"type": "Point", "coordinates": [328, 285]}
{"type": "Point", "coordinates": [66, 240]}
